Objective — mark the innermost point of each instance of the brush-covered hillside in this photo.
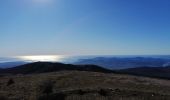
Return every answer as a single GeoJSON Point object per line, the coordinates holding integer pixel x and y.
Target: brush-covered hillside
{"type": "Point", "coordinates": [56, 81]}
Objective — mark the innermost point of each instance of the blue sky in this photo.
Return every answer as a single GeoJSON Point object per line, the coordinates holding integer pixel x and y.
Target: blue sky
{"type": "Point", "coordinates": [84, 27]}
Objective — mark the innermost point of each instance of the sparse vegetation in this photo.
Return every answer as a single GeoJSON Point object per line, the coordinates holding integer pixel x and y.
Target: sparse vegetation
{"type": "Point", "coordinates": [82, 85]}
{"type": "Point", "coordinates": [46, 87]}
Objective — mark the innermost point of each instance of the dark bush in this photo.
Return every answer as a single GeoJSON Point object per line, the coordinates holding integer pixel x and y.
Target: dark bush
{"type": "Point", "coordinates": [10, 82]}
{"type": "Point", "coordinates": [80, 92]}
{"type": "Point", "coordinates": [3, 98]}
{"type": "Point", "coordinates": [56, 96]}
{"type": "Point", "coordinates": [103, 92]}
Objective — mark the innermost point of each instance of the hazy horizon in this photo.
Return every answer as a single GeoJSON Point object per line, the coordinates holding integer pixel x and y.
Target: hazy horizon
{"type": "Point", "coordinates": [70, 58]}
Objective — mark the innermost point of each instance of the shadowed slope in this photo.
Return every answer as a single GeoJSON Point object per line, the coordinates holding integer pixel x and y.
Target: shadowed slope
{"type": "Point", "coordinates": [41, 67]}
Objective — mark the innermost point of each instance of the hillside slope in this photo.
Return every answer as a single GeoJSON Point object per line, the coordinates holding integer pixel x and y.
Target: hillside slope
{"type": "Point", "coordinates": [82, 85]}
{"type": "Point", "coordinates": [42, 67]}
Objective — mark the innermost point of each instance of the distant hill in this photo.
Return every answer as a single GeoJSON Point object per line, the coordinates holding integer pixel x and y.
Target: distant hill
{"type": "Point", "coordinates": [123, 63]}
{"type": "Point", "coordinates": [42, 67]}
{"type": "Point", "coordinates": [159, 72]}
{"type": "Point", "coordinates": [11, 64]}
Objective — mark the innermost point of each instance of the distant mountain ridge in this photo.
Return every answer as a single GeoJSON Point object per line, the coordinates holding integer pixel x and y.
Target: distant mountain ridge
{"type": "Point", "coordinates": [124, 63]}
{"type": "Point", "coordinates": [159, 72]}
{"type": "Point", "coordinates": [110, 62]}
{"type": "Point", "coordinates": [11, 64]}
{"type": "Point", "coordinates": [42, 67]}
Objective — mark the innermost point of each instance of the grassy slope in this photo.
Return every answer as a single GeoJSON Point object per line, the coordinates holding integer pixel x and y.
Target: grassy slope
{"type": "Point", "coordinates": [85, 86]}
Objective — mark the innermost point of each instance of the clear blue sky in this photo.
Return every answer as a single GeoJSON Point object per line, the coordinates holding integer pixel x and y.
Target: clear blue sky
{"type": "Point", "coordinates": [74, 27]}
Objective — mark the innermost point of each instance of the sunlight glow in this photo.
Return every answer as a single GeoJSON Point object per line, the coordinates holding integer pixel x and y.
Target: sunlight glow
{"type": "Point", "coordinates": [51, 58]}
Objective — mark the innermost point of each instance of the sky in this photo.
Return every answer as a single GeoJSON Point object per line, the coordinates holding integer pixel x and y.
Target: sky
{"type": "Point", "coordinates": [84, 27]}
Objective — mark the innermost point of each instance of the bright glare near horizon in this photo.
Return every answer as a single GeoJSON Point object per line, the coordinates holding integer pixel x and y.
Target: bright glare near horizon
{"type": "Point", "coordinates": [45, 58]}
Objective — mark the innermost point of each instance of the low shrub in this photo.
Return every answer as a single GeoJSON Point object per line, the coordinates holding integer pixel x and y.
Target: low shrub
{"type": "Point", "coordinates": [10, 82]}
